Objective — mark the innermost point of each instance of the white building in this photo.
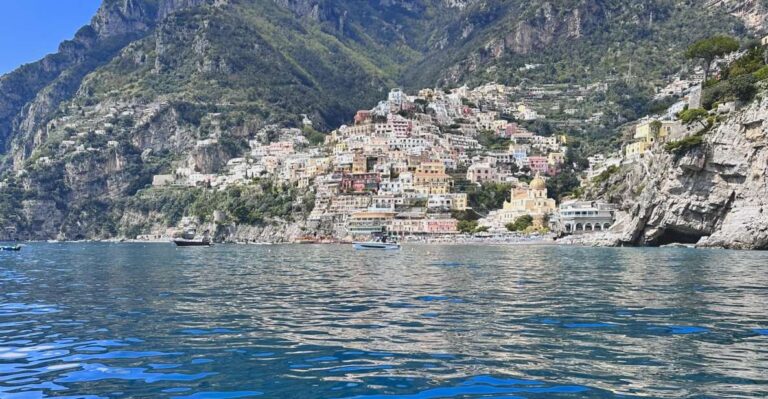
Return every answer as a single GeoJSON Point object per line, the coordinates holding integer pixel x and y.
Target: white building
{"type": "Point", "coordinates": [578, 217]}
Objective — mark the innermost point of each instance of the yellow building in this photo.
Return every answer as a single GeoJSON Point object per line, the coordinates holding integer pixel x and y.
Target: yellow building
{"type": "Point", "coordinates": [340, 148]}
{"type": "Point", "coordinates": [555, 158]}
{"type": "Point", "coordinates": [636, 149]}
{"type": "Point", "coordinates": [646, 135]}
{"type": "Point", "coordinates": [359, 163]}
{"type": "Point", "coordinates": [525, 200]}
{"type": "Point", "coordinates": [430, 178]}
{"type": "Point", "coordinates": [645, 130]}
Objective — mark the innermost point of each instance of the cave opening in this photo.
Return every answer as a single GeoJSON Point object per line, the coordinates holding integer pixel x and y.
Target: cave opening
{"type": "Point", "coordinates": [673, 236]}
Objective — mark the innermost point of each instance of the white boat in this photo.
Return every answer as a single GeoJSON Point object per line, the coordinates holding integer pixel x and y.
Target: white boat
{"type": "Point", "coordinates": [376, 245]}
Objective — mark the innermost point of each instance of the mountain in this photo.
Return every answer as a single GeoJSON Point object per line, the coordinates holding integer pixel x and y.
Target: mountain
{"type": "Point", "coordinates": [147, 79]}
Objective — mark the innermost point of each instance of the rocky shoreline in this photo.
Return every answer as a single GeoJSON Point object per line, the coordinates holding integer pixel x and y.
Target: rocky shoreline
{"type": "Point", "coordinates": [713, 195]}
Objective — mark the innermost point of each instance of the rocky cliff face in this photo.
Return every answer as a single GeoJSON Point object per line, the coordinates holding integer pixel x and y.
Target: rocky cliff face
{"type": "Point", "coordinates": [715, 195]}
{"type": "Point", "coordinates": [495, 39]}
{"type": "Point", "coordinates": [30, 95]}
{"type": "Point", "coordinates": [754, 13]}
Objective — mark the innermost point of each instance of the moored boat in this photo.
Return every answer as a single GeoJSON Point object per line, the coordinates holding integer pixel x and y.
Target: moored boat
{"type": "Point", "coordinates": [364, 245]}
{"type": "Point", "coordinates": [10, 248]}
{"type": "Point", "coordinates": [182, 242]}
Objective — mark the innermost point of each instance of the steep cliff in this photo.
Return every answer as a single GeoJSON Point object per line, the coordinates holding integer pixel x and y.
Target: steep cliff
{"type": "Point", "coordinates": [30, 95]}
{"type": "Point", "coordinates": [754, 13]}
{"type": "Point", "coordinates": [576, 41]}
{"type": "Point", "coordinates": [713, 195]}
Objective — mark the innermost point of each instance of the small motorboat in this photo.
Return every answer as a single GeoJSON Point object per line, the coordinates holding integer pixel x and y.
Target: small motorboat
{"type": "Point", "coordinates": [183, 242]}
{"type": "Point", "coordinates": [376, 245]}
{"type": "Point", "coordinates": [10, 248]}
{"type": "Point", "coordinates": [189, 239]}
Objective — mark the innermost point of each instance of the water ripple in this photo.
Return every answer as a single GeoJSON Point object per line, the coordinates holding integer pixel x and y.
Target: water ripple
{"type": "Point", "coordinates": [318, 322]}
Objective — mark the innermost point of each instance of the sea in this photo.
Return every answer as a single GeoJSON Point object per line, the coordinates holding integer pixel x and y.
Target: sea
{"type": "Point", "coordinates": [140, 320]}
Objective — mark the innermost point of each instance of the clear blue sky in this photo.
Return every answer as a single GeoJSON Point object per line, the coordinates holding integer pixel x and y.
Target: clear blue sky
{"type": "Point", "coordinates": [30, 29]}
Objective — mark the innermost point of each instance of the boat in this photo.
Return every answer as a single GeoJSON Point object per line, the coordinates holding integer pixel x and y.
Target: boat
{"type": "Point", "coordinates": [364, 245]}
{"type": "Point", "coordinates": [183, 242]}
{"type": "Point", "coordinates": [188, 239]}
{"type": "Point", "coordinates": [10, 248]}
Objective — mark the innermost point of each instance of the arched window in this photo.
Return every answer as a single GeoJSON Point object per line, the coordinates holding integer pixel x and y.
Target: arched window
{"type": "Point", "coordinates": [579, 227]}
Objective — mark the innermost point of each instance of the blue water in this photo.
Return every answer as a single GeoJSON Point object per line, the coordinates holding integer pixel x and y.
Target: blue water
{"type": "Point", "coordinates": [153, 321]}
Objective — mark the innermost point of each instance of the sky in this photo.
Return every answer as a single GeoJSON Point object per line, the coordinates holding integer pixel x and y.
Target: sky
{"type": "Point", "coordinates": [30, 29]}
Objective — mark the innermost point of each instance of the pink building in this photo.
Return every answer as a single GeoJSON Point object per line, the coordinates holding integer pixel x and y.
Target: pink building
{"type": "Point", "coordinates": [510, 130]}
{"type": "Point", "coordinates": [482, 172]}
{"type": "Point", "coordinates": [440, 226]}
{"type": "Point", "coordinates": [539, 164]}
{"type": "Point", "coordinates": [400, 126]}
{"type": "Point", "coordinates": [359, 183]}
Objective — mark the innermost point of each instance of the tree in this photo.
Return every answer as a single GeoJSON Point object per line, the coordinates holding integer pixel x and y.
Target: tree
{"type": "Point", "coordinates": [521, 223]}
{"type": "Point", "coordinates": [689, 116]}
{"type": "Point", "coordinates": [562, 184]}
{"type": "Point", "coordinates": [709, 49]}
{"type": "Point", "coordinates": [487, 197]}
{"type": "Point", "coordinates": [467, 226]}
{"type": "Point", "coordinates": [743, 87]}
{"type": "Point", "coordinates": [655, 129]}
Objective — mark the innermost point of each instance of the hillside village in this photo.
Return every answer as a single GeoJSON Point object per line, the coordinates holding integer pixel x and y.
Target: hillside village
{"type": "Point", "coordinates": [404, 167]}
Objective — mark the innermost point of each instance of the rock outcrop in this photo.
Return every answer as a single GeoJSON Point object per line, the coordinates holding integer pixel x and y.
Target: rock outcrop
{"type": "Point", "coordinates": [714, 195]}
{"type": "Point", "coordinates": [754, 13]}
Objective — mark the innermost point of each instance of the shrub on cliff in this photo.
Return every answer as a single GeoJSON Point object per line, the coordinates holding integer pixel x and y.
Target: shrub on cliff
{"type": "Point", "coordinates": [741, 88]}
{"type": "Point", "coordinates": [684, 145]}
{"type": "Point", "coordinates": [605, 175]}
{"type": "Point", "coordinates": [761, 74]}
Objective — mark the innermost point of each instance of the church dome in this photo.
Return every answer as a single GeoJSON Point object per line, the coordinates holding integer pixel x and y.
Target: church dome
{"type": "Point", "coordinates": [538, 184]}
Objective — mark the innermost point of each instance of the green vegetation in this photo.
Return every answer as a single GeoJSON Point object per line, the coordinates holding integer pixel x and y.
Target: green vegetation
{"type": "Point", "coordinates": [738, 81]}
{"type": "Point", "coordinates": [491, 141]}
{"type": "Point", "coordinates": [740, 88]}
{"type": "Point", "coordinates": [251, 205]}
{"type": "Point", "coordinates": [684, 145]}
{"type": "Point", "coordinates": [315, 138]}
{"type": "Point", "coordinates": [468, 214]}
{"type": "Point", "coordinates": [487, 197]}
{"type": "Point", "coordinates": [689, 116]}
{"type": "Point", "coordinates": [520, 224]}
{"type": "Point", "coordinates": [761, 74]}
{"type": "Point", "coordinates": [605, 175]}
{"type": "Point", "coordinates": [707, 50]}
{"type": "Point", "coordinates": [467, 226]}
{"type": "Point", "coordinates": [655, 128]}
{"type": "Point", "coordinates": [563, 184]}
